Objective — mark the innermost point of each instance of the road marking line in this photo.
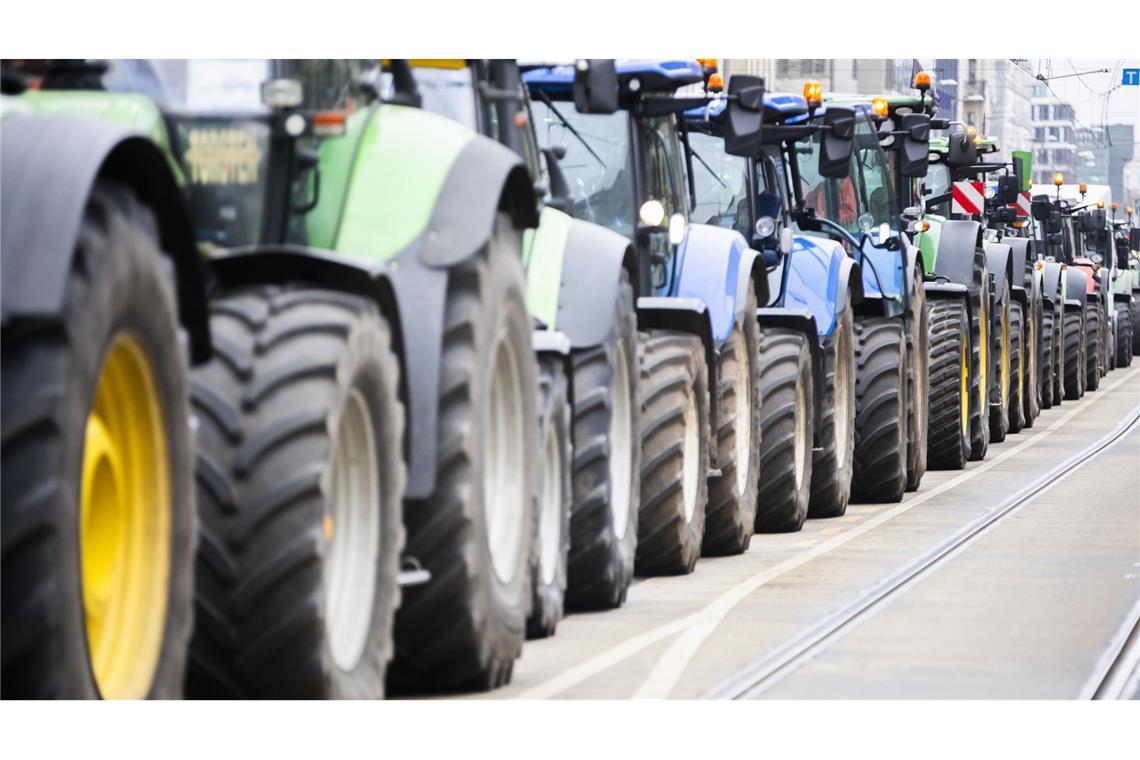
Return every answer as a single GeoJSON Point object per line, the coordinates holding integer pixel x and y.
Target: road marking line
{"type": "Point", "coordinates": [699, 625]}
{"type": "Point", "coordinates": [675, 660]}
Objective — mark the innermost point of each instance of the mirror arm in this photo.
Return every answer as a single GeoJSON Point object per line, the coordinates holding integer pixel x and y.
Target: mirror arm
{"type": "Point", "coordinates": [683, 128]}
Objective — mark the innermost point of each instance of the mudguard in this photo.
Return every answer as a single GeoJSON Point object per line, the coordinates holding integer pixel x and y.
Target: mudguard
{"type": "Point", "coordinates": [1019, 262]}
{"type": "Point", "coordinates": [817, 276]}
{"type": "Point", "coordinates": [946, 288]}
{"type": "Point", "coordinates": [803, 321]}
{"type": "Point", "coordinates": [957, 245]}
{"type": "Point", "coordinates": [914, 260]}
{"type": "Point", "coordinates": [999, 262]}
{"type": "Point", "coordinates": [883, 275]}
{"type": "Point", "coordinates": [1075, 287]}
{"type": "Point", "coordinates": [573, 275]}
{"type": "Point", "coordinates": [1051, 283]}
{"type": "Point", "coordinates": [715, 265]}
{"type": "Point", "coordinates": [554, 343]}
{"type": "Point", "coordinates": [48, 167]}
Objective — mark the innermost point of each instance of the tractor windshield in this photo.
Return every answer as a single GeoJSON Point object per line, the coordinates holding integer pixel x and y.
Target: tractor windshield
{"type": "Point", "coordinates": [721, 184]}
{"type": "Point", "coordinates": [598, 162]}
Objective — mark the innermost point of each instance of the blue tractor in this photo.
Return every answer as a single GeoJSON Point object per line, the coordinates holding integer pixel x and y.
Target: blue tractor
{"type": "Point", "coordinates": [619, 129]}
{"type": "Point", "coordinates": [815, 288]}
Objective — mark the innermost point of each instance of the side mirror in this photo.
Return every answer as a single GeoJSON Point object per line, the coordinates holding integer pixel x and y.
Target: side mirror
{"type": "Point", "coordinates": [836, 142]}
{"type": "Point", "coordinates": [1040, 208]}
{"type": "Point", "coordinates": [744, 115]}
{"type": "Point", "coordinates": [1019, 173]}
{"type": "Point", "coordinates": [595, 85]}
{"type": "Point", "coordinates": [559, 190]}
{"type": "Point", "coordinates": [1122, 253]}
{"type": "Point", "coordinates": [915, 151]}
{"type": "Point", "coordinates": [1007, 189]}
{"type": "Point", "coordinates": [1134, 239]}
{"type": "Point", "coordinates": [962, 150]}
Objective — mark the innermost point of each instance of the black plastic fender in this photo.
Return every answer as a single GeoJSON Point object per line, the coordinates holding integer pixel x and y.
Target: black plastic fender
{"type": "Point", "coordinates": [1019, 262]}
{"type": "Point", "coordinates": [913, 260]}
{"type": "Point", "coordinates": [1051, 291]}
{"type": "Point", "coordinates": [48, 167]}
{"type": "Point", "coordinates": [751, 274]}
{"type": "Point", "coordinates": [688, 315]}
{"type": "Point", "coordinates": [999, 262]}
{"type": "Point", "coordinates": [956, 248]}
{"type": "Point", "coordinates": [850, 284]}
{"type": "Point", "coordinates": [803, 321]}
{"type": "Point", "coordinates": [1075, 281]}
{"type": "Point", "coordinates": [591, 274]}
{"type": "Point", "coordinates": [555, 343]}
{"type": "Point", "coordinates": [464, 213]}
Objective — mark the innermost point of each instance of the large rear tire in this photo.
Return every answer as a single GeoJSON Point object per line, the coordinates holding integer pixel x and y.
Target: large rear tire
{"type": "Point", "coordinates": [1124, 329]}
{"type": "Point", "coordinates": [1048, 359]}
{"type": "Point", "coordinates": [1017, 383]}
{"type": "Point", "coordinates": [675, 455]}
{"type": "Point", "coordinates": [552, 526]}
{"type": "Point", "coordinates": [731, 515]}
{"type": "Point", "coordinates": [1031, 359]}
{"type": "Point", "coordinates": [917, 385]}
{"type": "Point", "coordinates": [1074, 356]}
{"type": "Point", "coordinates": [832, 463]}
{"type": "Point", "coordinates": [982, 367]}
{"type": "Point", "coordinates": [300, 485]}
{"type": "Point", "coordinates": [999, 398]}
{"type": "Point", "coordinates": [1093, 342]}
{"type": "Point", "coordinates": [880, 410]}
{"type": "Point", "coordinates": [786, 434]}
{"type": "Point", "coordinates": [607, 460]}
{"type": "Point", "coordinates": [950, 384]}
{"type": "Point", "coordinates": [98, 511]}
{"type": "Point", "coordinates": [465, 628]}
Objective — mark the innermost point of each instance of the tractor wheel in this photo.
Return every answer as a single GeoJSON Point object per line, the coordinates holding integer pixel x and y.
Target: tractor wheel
{"type": "Point", "coordinates": [1000, 405]}
{"type": "Point", "coordinates": [607, 457]}
{"type": "Point", "coordinates": [949, 384]}
{"type": "Point", "coordinates": [1093, 341]}
{"type": "Point", "coordinates": [1059, 356]}
{"type": "Point", "coordinates": [917, 386]}
{"type": "Point", "coordinates": [1030, 361]}
{"type": "Point", "coordinates": [731, 514]}
{"type": "Point", "coordinates": [832, 463]}
{"type": "Point", "coordinates": [1134, 311]}
{"type": "Point", "coordinates": [300, 484]}
{"type": "Point", "coordinates": [552, 527]}
{"type": "Point", "coordinates": [880, 411]}
{"type": "Point", "coordinates": [1048, 363]}
{"type": "Point", "coordinates": [465, 628]}
{"type": "Point", "coordinates": [982, 368]}
{"type": "Point", "coordinates": [98, 504]}
{"type": "Point", "coordinates": [1124, 329]}
{"type": "Point", "coordinates": [786, 433]}
{"type": "Point", "coordinates": [675, 456]}
{"type": "Point", "coordinates": [1017, 384]}
{"type": "Point", "coordinates": [1074, 355]}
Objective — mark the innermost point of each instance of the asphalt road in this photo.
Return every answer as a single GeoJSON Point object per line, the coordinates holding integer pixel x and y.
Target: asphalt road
{"type": "Point", "coordinates": [1017, 577]}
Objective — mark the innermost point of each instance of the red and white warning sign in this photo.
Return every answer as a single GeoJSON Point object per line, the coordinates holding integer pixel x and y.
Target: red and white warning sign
{"type": "Point", "coordinates": [968, 197]}
{"type": "Point", "coordinates": [1022, 205]}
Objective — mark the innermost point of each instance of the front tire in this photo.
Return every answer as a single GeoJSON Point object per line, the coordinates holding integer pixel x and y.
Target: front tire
{"type": "Point", "coordinates": [98, 511]}
{"type": "Point", "coordinates": [880, 410]}
{"type": "Point", "coordinates": [1093, 360]}
{"type": "Point", "coordinates": [1017, 384]}
{"type": "Point", "coordinates": [1124, 329]}
{"type": "Point", "coordinates": [465, 628]}
{"type": "Point", "coordinates": [1074, 357]}
{"type": "Point", "coordinates": [950, 384]}
{"type": "Point", "coordinates": [999, 398]}
{"type": "Point", "coordinates": [786, 434]}
{"type": "Point", "coordinates": [832, 464]}
{"type": "Point", "coordinates": [917, 386]}
{"type": "Point", "coordinates": [675, 455]}
{"type": "Point", "coordinates": [1048, 359]}
{"type": "Point", "coordinates": [731, 514]}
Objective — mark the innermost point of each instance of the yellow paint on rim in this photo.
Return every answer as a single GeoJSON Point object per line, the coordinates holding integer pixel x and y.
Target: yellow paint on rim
{"type": "Point", "coordinates": [125, 524]}
{"type": "Point", "coordinates": [964, 387]}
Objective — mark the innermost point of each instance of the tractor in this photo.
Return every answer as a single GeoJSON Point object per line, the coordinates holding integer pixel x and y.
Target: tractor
{"type": "Point", "coordinates": [617, 131]}
{"type": "Point", "coordinates": [815, 289]}
{"type": "Point", "coordinates": [580, 285]}
{"type": "Point", "coordinates": [371, 375]}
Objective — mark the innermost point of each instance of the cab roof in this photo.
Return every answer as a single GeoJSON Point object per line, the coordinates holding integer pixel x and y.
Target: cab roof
{"type": "Point", "coordinates": [778, 107]}
{"type": "Point", "coordinates": [652, 76]}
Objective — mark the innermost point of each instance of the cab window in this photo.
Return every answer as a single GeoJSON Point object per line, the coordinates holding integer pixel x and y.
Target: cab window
{"type": "Point", "coordinates": [873, 185]}
{"type": "Point", "coordinates": [664, 177]}
{"type": "Point", "coordinates": [720, 182]}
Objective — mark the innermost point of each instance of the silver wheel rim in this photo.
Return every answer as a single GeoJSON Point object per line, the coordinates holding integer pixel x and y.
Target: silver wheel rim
{"type": "Point", "coordinates": [690, 454]}
{"type": "Point", "coordinates": [549, 524]}
{"type": "Point", "coordinates": [621, 444]}
{"type": "Point", "coordinates": [800, 447]}
{"type": "Point", "coordinates": [353, 531]}
{"type": "Point", "coordinates": [843, 411]}
{"type": "Point", "coordinates": [743, 430]}
{"type": "Point", "coordinates": [504, 435]}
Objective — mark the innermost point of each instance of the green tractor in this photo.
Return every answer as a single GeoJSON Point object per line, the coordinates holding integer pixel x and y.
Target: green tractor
{"type": "Point", "coordinates": [970, 281]}
{"type": "Point", "coordinates": [580, 285]}
{"type": "Point", "coordinates": [364, 266]}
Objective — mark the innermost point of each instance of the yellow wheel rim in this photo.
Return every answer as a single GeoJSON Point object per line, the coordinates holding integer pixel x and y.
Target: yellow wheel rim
{"type": "Point", "coordinates": [964, 387]}
{"type": "Point", "coordinates": [124, 530]}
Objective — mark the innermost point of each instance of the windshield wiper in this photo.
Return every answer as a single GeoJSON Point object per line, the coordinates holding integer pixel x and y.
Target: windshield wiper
{"type": "Point", "coordinates": [549, 104]}
{"type": "Point", "coordinates": [697, 156]}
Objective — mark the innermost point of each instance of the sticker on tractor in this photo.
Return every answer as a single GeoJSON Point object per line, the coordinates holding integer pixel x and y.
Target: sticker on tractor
{"type": "Point", "coordinates": [1022, 205]}
{"type": "Point", "coordinates": [969, 197]}
{"type": "Point", "coordinates": [222, 156]}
